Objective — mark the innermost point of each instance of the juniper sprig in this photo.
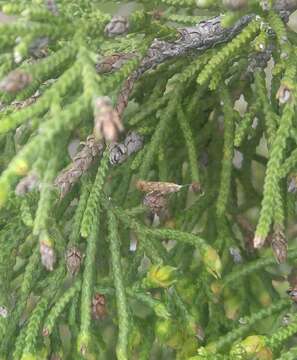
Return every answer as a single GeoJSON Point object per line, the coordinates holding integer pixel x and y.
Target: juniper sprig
{"type": "Point", "coordinates": [148, 179]}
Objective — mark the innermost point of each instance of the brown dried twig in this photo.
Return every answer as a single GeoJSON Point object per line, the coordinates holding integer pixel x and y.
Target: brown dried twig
{"type": "Point", "coordinates": [205, 35]}
{"type": "Point", "coordinates": [81, 163]}
{"type": "Point", "coordinates": [279, 244]}
{"type": "Point", "coordinates": [156, 194]}
{"type": "Point", "coordinates": [113, 62]}
{"type": "Point", "coordinates": [90, 152]}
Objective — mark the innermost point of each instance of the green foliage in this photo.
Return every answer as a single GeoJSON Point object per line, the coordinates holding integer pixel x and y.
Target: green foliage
{"type": "Point", "coordinates": [229, 51]}
{"type": "Point", "coordinates": [121, 300]}
{"type": "Point", "coordinates": [91, 211]}
{"type": "Point", "coordinates": [140, 228]}
{"type": "Point", "coordinates": [57, 309]}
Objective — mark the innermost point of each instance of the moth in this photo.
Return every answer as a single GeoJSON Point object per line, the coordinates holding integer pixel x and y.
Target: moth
{"type": "Point", "coordinates": [156, 193]}
{"type": "Point", "coordinates": [161, 187]}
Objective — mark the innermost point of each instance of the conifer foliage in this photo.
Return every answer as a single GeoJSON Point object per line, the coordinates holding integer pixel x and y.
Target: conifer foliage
{"type": "Point", "coordinates": [148, 180]}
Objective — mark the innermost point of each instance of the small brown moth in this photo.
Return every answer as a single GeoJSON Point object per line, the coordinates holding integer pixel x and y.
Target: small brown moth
{"type": "Point", "coordinates": [156, 191]}
{"type": "Point", "coordinates": [161, 187]}
{"type": "Point", "coordinates": [279, 245]}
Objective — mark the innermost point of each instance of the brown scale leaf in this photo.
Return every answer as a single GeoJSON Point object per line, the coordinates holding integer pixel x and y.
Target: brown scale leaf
{"type": "Point", "coordinates": [248, 231]}
{"type": "Point", "coordinates": [123, 97]}
{"type": "Point", "coordinates": [99, 310]}
{"type": "Point", "coordinates": [21, 104]}
{"type": "Point", "coordinates": [195, 187]}
{"type": "Point", "coordinates": [279, 245]}
{"type": "Point", "coordinates": [155, 201]}
{"type": "Point", "coordinates": [73, 259]}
